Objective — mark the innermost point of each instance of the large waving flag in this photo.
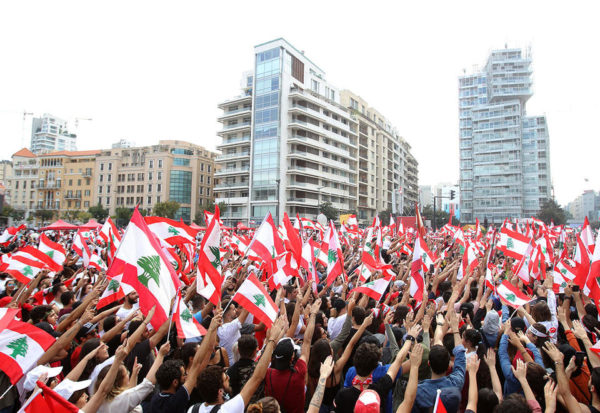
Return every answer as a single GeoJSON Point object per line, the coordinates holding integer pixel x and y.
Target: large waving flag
{"type": "Point", "coordinates": [187, 325]}
{"type": "Point", "coordinates": [417, 278]}
{"type": "Point", "coordinates": [469, 261]}
{"type": "Point", "coordinates": [173, 232]}
{"type": "Point", "coordinates": [146, 269]}
{"type": "Point", "coordinates": [373, 289]}
{"type": "Point", "coordinates": [10, 234]}
{"type": "Point", "coordinates": [44, 399]}
{"type": "Point", "coordinates": [266, 243]}
{"type": "Point", "coordinates": [113, 292]}
{"type": "Point", "coordinates": [22, 269]}
{"type": "Point", "coordinates": [587, 236]}
{"type": "Point", "coordinates": [513, 244]}
{"type": "Point", "coordinates": [54, 250]}
{"type": "Point", "coordinates": [209, 279]}
{"type": "Point", "coordinates": [21, 346]}
{"type": "Point", "coordinates": [253, 297]}
{"type": "Point", "coordinates": [511, 295]}
{"type": "Point", "coordinates": [293, 242]}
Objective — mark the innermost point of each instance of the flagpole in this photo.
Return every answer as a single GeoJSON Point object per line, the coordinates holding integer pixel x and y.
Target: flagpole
{"type": "Point", "coordinates": [7, 390]}
{"type": "Point", "coordinates": [177, 299]}
{"type": "Point", "coordinates": [437, 399]}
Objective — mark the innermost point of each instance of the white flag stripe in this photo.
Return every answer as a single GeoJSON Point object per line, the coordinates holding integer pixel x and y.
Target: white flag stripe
{"type": "Point", "coordinates": [33, 354]}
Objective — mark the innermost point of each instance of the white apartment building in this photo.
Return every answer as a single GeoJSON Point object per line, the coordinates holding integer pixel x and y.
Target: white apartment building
{"type": "Point", "coordinates": [289, 144]}
{"type": "Point", "coordinates": [50, 134]}
{"type": "Point", "coordinates": [23, 184]}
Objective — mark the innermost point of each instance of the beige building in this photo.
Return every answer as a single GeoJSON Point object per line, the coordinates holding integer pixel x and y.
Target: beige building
{"type": "Point", "coordinates": [387, 171]}
{"type": "Point", "coordinates": [22, 185]}
{"type": "Point", "coordinates": [170, 171]}
{"type": "Point", "coordinates": [5, 174]}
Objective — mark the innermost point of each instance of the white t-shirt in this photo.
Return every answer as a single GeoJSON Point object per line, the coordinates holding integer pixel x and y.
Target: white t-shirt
{"type": "Point", "coordinates": [235, 405]}
{"type": "Point", "coordinates": [123, 313]}
{"type": "Point", "coordinates": [334, 325]}
{"type": "Point", "coordinates": [229, 334]}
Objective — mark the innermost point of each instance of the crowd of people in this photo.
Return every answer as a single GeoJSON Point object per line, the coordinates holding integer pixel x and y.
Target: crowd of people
{"type": "Point", "coordinates": [440, 336]}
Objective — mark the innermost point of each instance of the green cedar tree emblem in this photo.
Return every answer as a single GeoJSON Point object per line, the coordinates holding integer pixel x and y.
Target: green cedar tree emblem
{"type": "Point", "coordinates": [462, 249]}
{"type": "Point", "coordinates": [259, 300]}
{"type": "Point", "coordinates": [50, 253]}
{"type": "Point", "coordinates": [563, 285]}
{"type": "Point", "coordinates": [28, 271]}
{"type": "Point", "coordinates": [19, 347]}
{"type": "Point", "coordinates": [273, 255]}
{"type": "Point", "coordinates": [186, 315]}
{"type": "Point", "coordinates": [151, 267]}
{"type": "Point", "coordinates": [369, 284]}
{"type": "Point", "coordinates": [113, 286]}
{"type": "Point", "coordinates": [216, 252]}
{"type": "Point", "coordinates": [424, 257]}
{"type": "Point", "coordinates": [510, 244]}
{"type": "Point", "coordinates": [331, 256]}
{"type": "Point", "coordinates": [564, 271]}
{"type": "Point", "coordinates": [511, 297]}
{"type": "Point", "coordinates": [598, 280]}
{"type": "Point", "coordinates": [173, 230]}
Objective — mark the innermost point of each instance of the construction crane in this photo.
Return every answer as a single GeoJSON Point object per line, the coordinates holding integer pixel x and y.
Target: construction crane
{"type": "Point", "coordinates": [78, 119]}
{"type": "Point", "coordinates": [25, 114]}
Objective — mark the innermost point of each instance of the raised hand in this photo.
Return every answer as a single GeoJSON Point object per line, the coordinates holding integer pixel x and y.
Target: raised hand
{"type": "Point", "coordinates": [327, 367]}
{"type": "Point", "coordinates": [521, 371]}
{"type": "Point", "coordinates": [164, 349]}
{"type": "Point", "coordinates": [490, 357]}
{"type": "Point", "coordinates": [217, 320]}
{"type": "Point", "coordinates": [415, 330]}
{"type": "Point", "coordinates": [473, 364]}
{"type": "Point", "coordinates": [550, 390]}
{"type": "Point", "coordinates": [416, 355]}
{"type": "Point", "coordinates": [553, 352]}
{"type": "Point", "coordinates": [579, 330]}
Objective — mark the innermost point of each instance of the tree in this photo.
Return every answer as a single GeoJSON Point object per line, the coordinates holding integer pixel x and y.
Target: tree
{"type": "Point", "coordinates": [328, 210]}
{"type": "Point", "coordinates": [551, 211]}
{"type": "Point", "coordinates": [123, 215]}
{"type": "Point", "coordinates": [7, 210]}
{"type": "Point", "coordinates": [70, 215]}
{"type": "Point", "coordinates": [384, 216]}
{"type": "Point", "coordinates": [44, 214]}
{"type": "Point", "coordinates": [166, 209]}
{"type": "Point", "coordinates": [441, 217]}
{"type": "Point", "coordinates": [98, 212]}
{"type": "Point", "coordinates": [210, 207]}
{"type": "Point", "coordinates": [84, 216]}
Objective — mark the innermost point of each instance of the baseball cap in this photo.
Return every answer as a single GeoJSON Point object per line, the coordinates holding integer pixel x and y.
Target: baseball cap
{"type": "Point", "coordinates": [518, 324]}
{"type": "Point", "coordinates": [86, 329]}
{"type": "Point", "coordinates": [368, 402]}
{"type": "Point", "coordinates": [282, 355]}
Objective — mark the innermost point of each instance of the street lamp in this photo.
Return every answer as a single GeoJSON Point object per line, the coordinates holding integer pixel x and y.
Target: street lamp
{"type": "Point", "coordinates": [319, 200]}
{"type": "Point", "coordinates": [277, 206]}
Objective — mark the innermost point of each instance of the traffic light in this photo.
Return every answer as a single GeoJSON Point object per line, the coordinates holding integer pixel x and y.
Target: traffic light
{"type": "Point", "coordinates": [452, 193]}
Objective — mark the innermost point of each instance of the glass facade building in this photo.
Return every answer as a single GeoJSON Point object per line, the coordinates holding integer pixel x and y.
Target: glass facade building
{"type": "Point", "coordinates": [504, 154]}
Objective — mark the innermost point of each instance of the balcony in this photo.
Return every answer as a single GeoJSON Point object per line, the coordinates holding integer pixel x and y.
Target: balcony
{"type": "Point", "coordinates": [241, 99]}
{"type": "Point", "coordinates": [49, 185]}
{"type": "Point", "coordinates": [70, 195]}
{"type": "Point", "coordinates": [234, 141]}
{"type": "Point", "coordinates": [320, 145]}
{"type": "Point", "coordinates": [231, 187]}
{"type": "Point", "coordinates": [234, 113]}
{"type": "Point", "coordinates": [52, 205]}
{"type": "Point", "coordinates": [231, 171]}
{"type": "Point", "coordinates": [236, 127]}
{"type": "Point", "coordinates": [320, 131]}
{"type": "Point", "coordinates": [233, 200]}
{"type": "Point", "coordinates": [231, 156]}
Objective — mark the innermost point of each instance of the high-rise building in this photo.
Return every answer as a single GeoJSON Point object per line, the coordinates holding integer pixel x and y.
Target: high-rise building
{"type": "Point", "coordinates": [170, 171]}
{"type": "Point", "coordinates": [49, 134]}
{"type": "Point", "coordinates": [585, 205]}
{"type": "Point", "coordinates": [290, 144]}
{"type": "Point", "coordinates": [504, 153]}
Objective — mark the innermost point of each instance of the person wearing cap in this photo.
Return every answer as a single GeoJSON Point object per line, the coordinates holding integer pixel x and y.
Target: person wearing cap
{"type": "Point", "coordinates": [285, 379]}
{"type": "Point", "coordinates": [334, 324]}
{"type": "Point", "coordinates": [229, 331]}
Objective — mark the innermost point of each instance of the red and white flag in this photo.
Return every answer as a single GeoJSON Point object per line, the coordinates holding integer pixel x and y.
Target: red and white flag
{"type": "Point", "coordinates": [54, 250]}
{"type": "Point", "coordinates": [417, 279]}
{"type": "Point", "coordinates": [22, 269]}
{"type": "Point", "coordinates": [513, 244]}
{"type": "Point", "coordinates": [308, 263]}
{"type": "Point", "coordinates": [187, 325]}
{"type": "Point", "coordinates": [21, 346]}
{"type": "Point", "coordinates": [373, 289]}
{"type": "Point", "coordinates": [266, 243]}
{"type": "Point", "coordinates": [439, 407]}
{"type": "Point", "coordinates": [587, 236]}
{"type": "Point", "coordinates": [335, 258]}
{"type": "Point", "coordinates": [209, 279]}
{"type": "Point", "coordinates": [593, 282]}
{"type": "Point", "coordinates": [44, 399]}
{"type": "Point", "coordinates": [35, 254]}
{"type": "Point", "coordinates": [511, 295]}
{"type": "Point", "coordinates": [173, 232]}
{"type": "Point", "coordinates": [253, 297]}
{"type": "Point", "coordinates": [10, 234]}
{"type": "Point", "coordinates": [469, 261]}
{"type": "Point", "coordinates": [108, 228]}
{"type": "Point", "coordinates": [112, 293]}
{"type": "Point", "coordinates": [7, 315]}
{"type": "Point", "coordinates": [146, 269]}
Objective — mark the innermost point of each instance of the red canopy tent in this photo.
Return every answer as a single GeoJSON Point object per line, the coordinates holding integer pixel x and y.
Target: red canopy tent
{"type": "Point", "coordinates": [91, 224]}
{"type": "Point", "coordinates": [196, 227]}
{"type": "Point", "coordinates": [60, 225]}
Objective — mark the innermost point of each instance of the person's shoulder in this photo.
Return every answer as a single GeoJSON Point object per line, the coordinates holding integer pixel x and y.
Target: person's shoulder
{"type": "Point", "coordinates": [235, 405]}
{"type": "Point", "coordinates": [300, 366]}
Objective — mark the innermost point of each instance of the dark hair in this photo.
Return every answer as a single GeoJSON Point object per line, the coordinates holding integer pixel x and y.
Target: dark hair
{"type": "Point", "coordinates": [439, 359]}
{"type": "Point", "coordinates": [109, 322]}
{"type": "Point", "coordinates": [39, 313]}
{"type": "Point", "coordinates": [541, 312]}
{"type": "Point", "coordinates": [446, 296]}
{"type": "Point", "coordinates": [188, 350]}
{"type": "Point", "coordinates": [591, 310]}
{"type": "Point", "coordinates": [400, 314]}
{"type": "Point", "coordinates": [590, 322]}
{"type": "Point", "coordinates": [513, 403]}
{"type": "Point", "coordinates": [472, 336]}
{"type": "Point", "coordinates": [56, 288]}
{"type": "Point", "coordinates": [167, 372]}
{"type": "Point", "coordinates": [86, 349]}
{"type": "Point", "coordinates": [247, 344]}
{"type": "Point", "coordinates": [359, 314]}
{"type": "Point", "coordinates": [487, 400]}
{"type": "Point", "coordinates": [445, 286]}
{"type": "Point", "coordinates": [66, 297]}
{"type": "Point", "coordinates": [197, 301]}
{"type": "Point", "coordinates": [319, 352]}
{"type": "Point", "coordinates": [133, 325]}
{"type": "Point", "coordinates": [595, 377]}
{"type": "Point", "coordinates": [210, 382]}
{"type": "Point", "coordinates": [366, 358]}
{"type": "Point", "coordinates": [265, 405]}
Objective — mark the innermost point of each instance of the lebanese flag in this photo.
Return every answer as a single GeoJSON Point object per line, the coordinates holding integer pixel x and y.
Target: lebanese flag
{"type": "Point", "coordinates": [52, 249]}
{"type": "Point", "coordinates": [307, 262]}
{"type": "Point", "coordinates": [511, 295]}
{"type": "Point", "coordinates": [419, 221]}
{"type": "Point", "coordinates": [173, 232]}
{"type": "Point", "coordinates": [417, 279]}
{"type": "Point", "coordinates": [44, 399]}
{"type": "Point", "coordinates": [10, 234]}
{"type": "Point", "coordinates": [596, 348]}
{"type": "Point", "coordinates": [469, 261]}
{"type": "Point", "coordinates": [21, 346]}
{"type": "Point", "coordinates": [489, 275]}
{"type": "Point", "coordinates": [97, 262]}
{"type": "Point", "coordinates": [239, 243]}
{"type": "Point", "coordinates": [253, 297]}
{"type": "Point", "coordinates": [335, 258]}
{"type": "Point", "coordinates": [187, 325]}
{"type": "Point", "coordinates": [523, 267]}
{"type": "Point", "coordinates": [513, 244]}
{"type": "Point", "coordinates": [352, 222]}
{"type": "Point", "coordinates": [22, 269]}
{"type": "Point", "coordinates": [35, 254]}
{"type": "Point", "coordinates": [112, 293]}
{"type": "Point", "coordinates": [287, 267]}
{"type": "Point", "coordinates": [7, 315]}
{"type": "Point", "coordinates": [266, 243]}
{"type": "Point", "coordinates": [146, 269]}
{"type": "Point", "coordinates": [582, 262]}
{"type": "Point", "coordinates": [373, 289]}
{"type": "Point", "coordinates": [208, 216]}
{"type": "Point", "coordinates": [108, 227]}
{"type": "Point", "coordinates": [209, 279]}
{"type": "Point", "coordinates": [593, 281]}
{"type": "Point", "coordinates": [559, 282]}
{"type": "Point", "coordinates": [477, 229]}
{"type": "Point", "coordinates": [293, 242]}
{"type": "Point", "coordinates": [363, 273]}
{"type": "Point", "coordinates": [79, 244]}
{"type": "Point", "coordinates": [587, 236]}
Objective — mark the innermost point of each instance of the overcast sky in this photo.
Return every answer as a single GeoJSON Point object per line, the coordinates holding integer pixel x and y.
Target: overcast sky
{"type": "Point", "coordinates": [148, 70]}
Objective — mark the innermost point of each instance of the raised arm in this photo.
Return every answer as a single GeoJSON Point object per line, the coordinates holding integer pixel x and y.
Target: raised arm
{"type": "Point", "coordinates": [50, 354]}
{"type": "Point", "coordinates": [563, 382]}
{"type": "Point", "coordinates": [137, 334]}
{"type": "Point", "coordinates": [118, 328]}
{"type": "Point", "coordinates": [410, 393]}
{"type": "Point", "coordinates": [472, 367]}
{"type": "Point", "coordinates": [490, 360]}
{"type": "Point", "coordinates": [109, 380]}
{"type": "Point", "coordinates": [317, 398]}
{"type": "Point", "coordinates": [341, 362]}
{"type": "Point", "coordinates": [310, 329]}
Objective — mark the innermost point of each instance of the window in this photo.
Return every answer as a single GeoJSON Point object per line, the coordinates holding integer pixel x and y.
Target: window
{"type": "Point", "coordinates": [157, 199]}
{"type": "Point", "coordinates": [108, 189]}
{"type": "Point", "coordinates": [140, 177]}
{"type": "Point", "coordinates": [202, 167]}
{"type": "Point", "coordinates": [109, 178]}
{"type": "Point", "coordinates": [70, 182]}
{"type": "Point", "coordinates": [107, 200]}
{"type": "Point", "coordinates": [160, 164]}
{"type": "Point", "coordinates": [86, 204]}
{"type": "Point", "coordinates": [149, 200]}
{"type": "Point", "coordinates": [79, 181]}
{"type": "Point", "coordinates": [297, 69]}
{"type": "Point", "coordinates": [100, 189]}
{"type": "Point", "coordinates": [201, 190]}
{"type": "Point", "coordinates": [314, 85]}
{"type": "Point", "coordinates": [201, 179]}
{"type": "Point", "coordinates": [149, 187]}
{"type": "Point", "coordinates": [208, 179]}
{"type": "Point", "coordinates": [101, 166]}
{"type": "Point", "coordinates": [149, 176]}
{"type": "Point", "coordinates": [207, 191]}
{"type": "Point", "coordinates": [180, 187]}
{"type": "Point", "coordinates": [151, 164]}
{"type": "Point", "coordinates": [110, 166]}
{"type": "Point", "coordinates": [86, 192]}
{"type": "Point", "coordinates": [159, 176]}
{"type": "Point", "coordinates": [208, 168]}
{"type": "Point", "coordinates": [101, 178]}
{"type": "Point", "coordinates": [158, 187]}
{"type": "Point", "coordinates": [181, 162]}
